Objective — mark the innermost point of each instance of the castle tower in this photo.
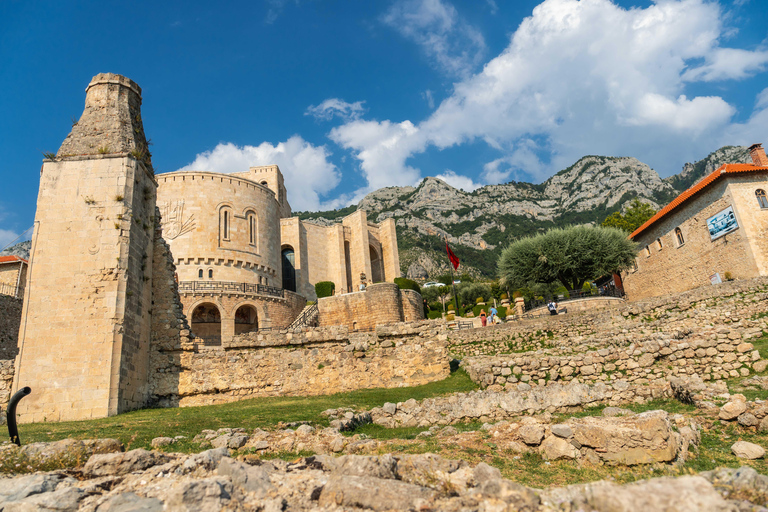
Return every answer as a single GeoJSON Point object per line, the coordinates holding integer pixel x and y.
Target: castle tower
{"type": "Point", "coordinates": [84, 340]}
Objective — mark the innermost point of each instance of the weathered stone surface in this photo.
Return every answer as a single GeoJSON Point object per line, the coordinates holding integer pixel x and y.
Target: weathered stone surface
{"type": "Point", "coordinates": [515, 496]}
{"type": "Point", "coordinates": [384, 466]}
{"type": "Point", "coordinates": [562, 430]}
{"type": "Point", "coordinates": [683, 494]}
{"type": "Point", "coordinates": [130, 502]}
{"type": "Point", "coordinates": [732, 410]}
{"type": "Point", "coordinates": [254, 479]}
{"type": "Point", "coordinates": [122, 463]}
{"type": "Point", "coordinates": [639, 439]}
{"type": "Point", "coordinates": [554, 448]}
{"type": "Point", "coordinates": [373, 493]}
{"type": "Point", "coordinates": [749, 451]}
{"type": "Point", "coordinates": [531, 434]}
{"type": "Point", "coordinates": [63, 499]}
{"type": "Point", "coordinates": [213, 493]}
{"type": "Point", "coordinates": [747, 420]}
{"type": "Point", "coordinates": [160, 442]}
{"type": "Point", "coordinates": [18, 488]}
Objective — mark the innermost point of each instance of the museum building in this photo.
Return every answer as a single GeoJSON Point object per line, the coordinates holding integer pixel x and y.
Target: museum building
{"type": "Point", "coordinates": [716, 230]}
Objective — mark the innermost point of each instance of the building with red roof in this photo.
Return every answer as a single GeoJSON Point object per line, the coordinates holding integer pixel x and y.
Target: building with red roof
{"type": "Point", "coordinates": [715, 231]}
{"type": "Point", "coordinates": [13, 276]}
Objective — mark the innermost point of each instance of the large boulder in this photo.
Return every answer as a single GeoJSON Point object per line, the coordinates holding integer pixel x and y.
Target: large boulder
{"type": "Point", "coordinates": [641, 439]}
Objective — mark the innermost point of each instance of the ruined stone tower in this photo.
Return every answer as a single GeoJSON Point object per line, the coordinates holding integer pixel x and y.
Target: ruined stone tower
{"type": "Point", "coordinates": [85, 328]}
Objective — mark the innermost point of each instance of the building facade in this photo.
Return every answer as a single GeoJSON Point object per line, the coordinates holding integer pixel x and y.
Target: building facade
{"type": "Point", "coordinates": [715, 230]}
{"type": "Point", "coordinates": [13, 276]}
{"type": "Point", "coordinates": [245, 264]}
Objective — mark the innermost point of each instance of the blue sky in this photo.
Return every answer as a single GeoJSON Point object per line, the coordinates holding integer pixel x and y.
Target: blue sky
{"type": "Point", "coordinates": [348, 96]}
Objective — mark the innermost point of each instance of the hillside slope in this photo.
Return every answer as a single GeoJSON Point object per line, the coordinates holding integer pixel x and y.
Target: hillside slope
{"type": "Point", "coordinates": [479, 224]}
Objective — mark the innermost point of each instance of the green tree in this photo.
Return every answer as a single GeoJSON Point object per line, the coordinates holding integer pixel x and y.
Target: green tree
{"type": "Point", "coordinates": [635, 216]}
{"type": "Point", "coordinates": [570, 255]}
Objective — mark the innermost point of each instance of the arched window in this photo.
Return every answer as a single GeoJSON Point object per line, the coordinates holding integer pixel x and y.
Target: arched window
{"type": "Point", "coordinates": [647, 250]}
{"type": "Point", "coordinates": [200, 274]}
{"type": "Point", "coordinates": [679, 235]}
{"type": "Point", "coordinates": [210, 273]}
{"type": "Point", "coordinates": [252, 228]}
{"type": "Point", "coordinates": [658, 241]}
{"type": "Point", "coordinates": [761, 199]}
{"type": "Point", "coordinates": [289, 268]}
{"type": "Point", "coordinates": [206, 323]}
{"type": "Point", "coordinates": [225, 223]}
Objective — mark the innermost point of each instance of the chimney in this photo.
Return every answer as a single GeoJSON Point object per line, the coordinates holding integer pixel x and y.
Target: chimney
{"type": "Point", "coordinates": [757, 153]}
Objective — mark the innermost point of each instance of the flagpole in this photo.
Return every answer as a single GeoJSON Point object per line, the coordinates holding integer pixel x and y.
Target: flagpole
{"type": "Point", "coordinates": [453, 285]}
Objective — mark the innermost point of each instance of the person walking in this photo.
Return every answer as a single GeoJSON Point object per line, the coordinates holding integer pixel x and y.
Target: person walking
{"type": "Point", "coordinates": [483, 319]}
{"type": "Point", "coordinates": [494, 312]}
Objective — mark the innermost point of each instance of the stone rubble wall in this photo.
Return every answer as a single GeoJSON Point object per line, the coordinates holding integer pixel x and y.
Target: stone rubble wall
{"type": "Point", "coordinates": [704, 332]}
{"type": "Point", "coordinates": [490, 406]}
{"type": "Point", "coordinates": [318, 361]}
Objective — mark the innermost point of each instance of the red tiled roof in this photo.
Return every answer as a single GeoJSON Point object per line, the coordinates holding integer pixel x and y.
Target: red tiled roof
{"type": "Point", "coordinates": [698, 187]}
{"type": "Point", "coordinates": [11, 259]}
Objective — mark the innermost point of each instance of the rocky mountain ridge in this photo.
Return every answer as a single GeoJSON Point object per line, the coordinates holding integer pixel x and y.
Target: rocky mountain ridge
{"type": "Point", "coordinates": [479, 224]}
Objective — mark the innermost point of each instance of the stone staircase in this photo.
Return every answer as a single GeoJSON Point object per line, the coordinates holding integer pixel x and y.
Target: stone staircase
{"type": "Point", "coordinates": [307, 318]}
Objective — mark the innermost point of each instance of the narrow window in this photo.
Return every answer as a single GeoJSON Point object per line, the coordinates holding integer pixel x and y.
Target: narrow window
{"type": "Point", "coordinates": [658, 241]}
{"type": "Point", "coordinates": [200, 274]}
{"type": "Point", "coordinates": [252, 229]}
{"type": "Point", "coordinates": [679, 235]}
{"type": "Point", "coordinates": [647, 250]}
{"type": "Point", "coordinates": [210, 273]}
{"type": "Point", "coordinates": [226, 224]}
{"type": "Point", "coordinates": [761, 199]}
{"type": "Point", "coordinates": [261, 279]}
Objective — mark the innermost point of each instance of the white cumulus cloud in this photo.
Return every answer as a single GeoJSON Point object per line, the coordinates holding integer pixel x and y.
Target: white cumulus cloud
{"type": "Point", "coordinates": [456, 47]}
{"type": "Point", "coordinates": [308, 173]}
{"type": "Point", "coordinates": [580, 77]}
{"type": "Point", "coordinates": [335, 107]}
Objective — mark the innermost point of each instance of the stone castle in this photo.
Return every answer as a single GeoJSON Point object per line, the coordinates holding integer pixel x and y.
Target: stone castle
{"type": "Point", "coordinates": [121, 258]}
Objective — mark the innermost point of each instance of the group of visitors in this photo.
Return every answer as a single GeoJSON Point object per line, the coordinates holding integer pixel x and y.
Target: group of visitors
{"type": "Point", "coordinates": [494, 316]}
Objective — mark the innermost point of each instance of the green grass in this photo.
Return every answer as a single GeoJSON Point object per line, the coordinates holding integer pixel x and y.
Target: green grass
{"type": "Point", "coordinates": [137, 429]}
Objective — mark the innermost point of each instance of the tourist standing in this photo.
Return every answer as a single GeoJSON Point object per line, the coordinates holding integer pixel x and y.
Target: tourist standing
{"type": "Point", "coordinates": [483, 319]}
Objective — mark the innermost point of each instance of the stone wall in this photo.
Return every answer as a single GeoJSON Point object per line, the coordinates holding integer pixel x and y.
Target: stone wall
{"type": "Point", "coordinates": [10, 315]}
{"type": "Point", "coordinates": [317, 361]}
{"type": "Point", "coordinates": [703, 332]}
{"type": "Point", "coordinates": [578, 305]}
{"type": "Point", "coordinates": [380, 303]}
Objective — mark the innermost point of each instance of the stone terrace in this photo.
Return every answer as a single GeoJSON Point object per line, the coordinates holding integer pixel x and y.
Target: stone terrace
{"type": "Point", "coordinates": [705, 331]}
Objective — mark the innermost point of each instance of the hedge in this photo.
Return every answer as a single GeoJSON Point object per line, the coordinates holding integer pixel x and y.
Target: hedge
{"type": "Point", "coordinates": [407, 284]}
{"type": "Point", "coordinates": [324, 289]}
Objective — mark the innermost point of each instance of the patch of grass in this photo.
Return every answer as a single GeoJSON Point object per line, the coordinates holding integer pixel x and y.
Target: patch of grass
{"type": "Point", "coordinates": [136, 429]}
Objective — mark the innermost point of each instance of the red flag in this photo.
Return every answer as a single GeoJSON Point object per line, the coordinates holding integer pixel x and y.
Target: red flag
{"type": "Point", "coordinates": [452, 257]}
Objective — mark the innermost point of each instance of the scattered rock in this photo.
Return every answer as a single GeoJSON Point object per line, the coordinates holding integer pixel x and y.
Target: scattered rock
{"type": "Point", "coordinates": [373, 493]}
{"type": "Point", "coordinates": [554, 448]}
{"type": "Point", "coordinates": [562, 430]}
{"type": "Point", "coordinates": [749, 451]}
{"type": "Point", "coordinates": [122, 463]}
{"type": "Point", "coordinates": [747, 420]}
{"type": "Point", "coordinates": [732, 410]}
{"type": "Point", "coordinates": [159, 442]}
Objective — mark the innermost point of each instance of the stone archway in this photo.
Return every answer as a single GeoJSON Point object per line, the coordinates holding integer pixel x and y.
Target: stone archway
{"type": "Point", "coordinates": [206, 323]}
{"type": "Point", "coordinates": [246, 319]}
{"type": "Point", "coordinates": [377, 274]}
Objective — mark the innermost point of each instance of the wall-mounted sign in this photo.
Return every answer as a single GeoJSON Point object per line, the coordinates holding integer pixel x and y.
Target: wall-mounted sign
{"type": "Point", "coordinates": [722, 223]}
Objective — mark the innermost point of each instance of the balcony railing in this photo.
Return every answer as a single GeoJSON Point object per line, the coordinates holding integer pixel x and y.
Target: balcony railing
{"type": "Point", "coordinates": [13, 291]}
{"type": "Point", "coordinates": [229, 287]}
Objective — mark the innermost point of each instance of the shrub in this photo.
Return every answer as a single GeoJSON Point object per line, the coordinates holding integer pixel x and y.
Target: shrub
{"type": "Point", "coordinates": [479, 300]}
{"type": "Point", "coordinates": [407, 284]}
{"type": "Point", "coordinates": [435, 314]}
{"type": "Point", "coordinates": [517, 294]}
{"type": "Point", "coordinates": [728, 276]}
{"type": "Point", "coordinates": [324, 289]}
{"type": "Point", "coordinates": [450, 318]}
{"type": "Point", "coordinates": [504, 296]}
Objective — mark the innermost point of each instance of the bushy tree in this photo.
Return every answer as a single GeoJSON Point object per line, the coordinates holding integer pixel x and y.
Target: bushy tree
{"type": "Point", "coordinates": [570, 255]}
{"type": "Point", "coordinates": [469, 293]}
{"type": "Point", "coordinates": [635, 216]}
